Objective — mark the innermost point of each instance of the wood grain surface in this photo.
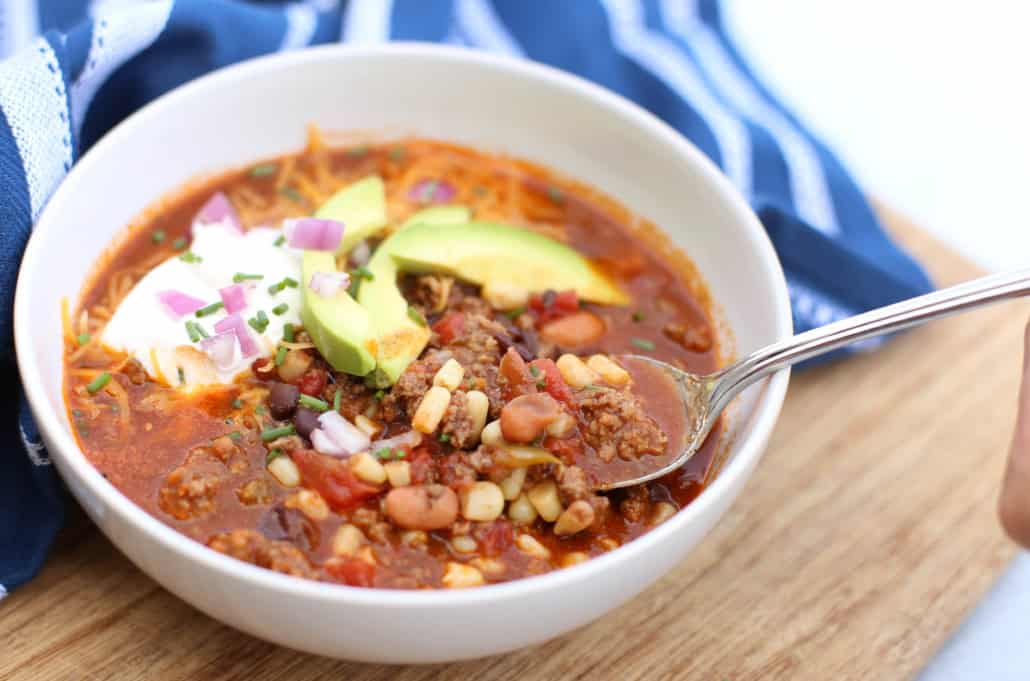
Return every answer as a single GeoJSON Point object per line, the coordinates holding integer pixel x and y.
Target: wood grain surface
{"type": "Point", "coordinates": [865, 536]}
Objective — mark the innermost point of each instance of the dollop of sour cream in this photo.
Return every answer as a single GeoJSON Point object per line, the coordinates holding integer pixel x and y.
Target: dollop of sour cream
{"type": "Point", "coordinates": [160, 340]}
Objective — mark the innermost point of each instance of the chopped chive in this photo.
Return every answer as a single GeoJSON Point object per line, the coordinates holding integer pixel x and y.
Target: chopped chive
{"type": "Point", "coordinates": [209, 309]}
{"type": "Point", "coordinates": [190, 257]}
{"type": "Point", "coordinates": [240, 276]}
{"type": "Point", "coordinates": [158, 236]}
{"type": "Point", "coordinates": [288, 334]}
{"type": "Point", "coordinates": [182, 375]}
{"type": "Point", "coordinates": [516, 313]}
{"type": "Point", "coordinates": [235, 435]}
{"type": "Point", "coordinates": [445, 438]}
{"type": "Point", "coordinates": [280, 309]}
{"type": "Point", "coordinates": [355, 285]}
{"type": "Point", "coordinates": [398, 153]}
{"type": "Point", "coordinates": [363, 273]}
{"type": "Point", "coordinates": [399, 454]}
{"type": "Point", "coordinates": [291, 282]}
{"type": "Point", "coordinates": [192, 331]}
{"type": "Point", "coordinates": [179, 243]}
{"type": "Point", "coordinates": [337, 399]}
{"type": "Point", "coordinates": [591, 386]}
{"type": "Point", "coordinates": [256, 324]}
{"type": "Point", "coordinates": [292, 194]}
{"type": "Point", "coordinates": [262, 317]}
{"type": "Point", "coordinates": [263, 170]}
{"type": "Point", "coordinates": [98, 383]}
{"type": "Point", "coordinates": [200, 330]}
{"type": "Point", "coordinates": [280, 356]}
{"type": "Point", "coordinates": [642, 343]}
{"type": "Point", "coordinates": [273, 455]}
{"type": "Point", "coordinates": [638, 316]}
{"type": "Point", "coordinates": [383, 453]}
{"type": "Point", "coordinates": [554, 194]}
{"type": "Point", "coordinates": [276, 288]}
{"type": "Point", "coordinates": [380, 394]}
{"type": "Point", "coordinates": [279, 241]}
{"type": "Point", "coordinates": [237, 403]}
{"type": "Point", "coordinates": [313, 403]}
{"type": "Point", "coordinates": [416, 316]}
{"type": "Point", "coordinates": [535, 371]}
{"type": "Point", "coordinates": [83, 338]}
{"type": "Point", "coordinates": [260, 409]}
{"type": "Point", "coordinates": [358, 151]}
{"type": "Point", "coordinates": [269, 434]}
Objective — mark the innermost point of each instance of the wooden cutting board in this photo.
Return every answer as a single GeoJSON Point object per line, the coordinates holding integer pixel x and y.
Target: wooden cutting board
{"type": "Point", "coordinates": [865, 536]}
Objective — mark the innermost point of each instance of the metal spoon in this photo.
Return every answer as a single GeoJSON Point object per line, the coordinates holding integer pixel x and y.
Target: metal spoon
{"type": "Point", "coordinates": [705, 397]}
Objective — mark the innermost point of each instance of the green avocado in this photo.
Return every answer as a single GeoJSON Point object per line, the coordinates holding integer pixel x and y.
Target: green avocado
{"type": "Point", "coordinates": [361, 207]}
{"type": "Point", "coordinates": [478, 252]}
{"type": "Point", "coordinates": [439, 215]}
{"type": "Point", "coordinates": [339, 327]}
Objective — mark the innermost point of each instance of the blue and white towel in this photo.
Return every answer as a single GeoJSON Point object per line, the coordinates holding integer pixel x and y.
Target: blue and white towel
{"type": "Point", "coordinates": [74, 68]}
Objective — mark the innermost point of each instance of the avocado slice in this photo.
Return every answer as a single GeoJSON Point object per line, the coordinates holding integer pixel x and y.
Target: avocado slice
{"type": "Point", "coordinates": [361, 207]}
{"type": "Point", "coordinates": [439, 215]}
{"type": "Point", "coordinates": [339, 327]}
{"type": "Point", "coordinates": [479, 252]}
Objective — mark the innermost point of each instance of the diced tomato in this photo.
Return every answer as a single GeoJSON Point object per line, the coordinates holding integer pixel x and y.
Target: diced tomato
{"type": "Point", "coordinates": [264, 368]}
{"type": "Point", "coordinates": [449, 327]}
{"type": "Point", "coordinates": [332, 478]}
{"type": "Point", "coordinates": [351, 571]}
{"type": "Point", "coordinates": [421, 465]}
{"type": "Point", "coordinates": [495, 538]}
{"type": "Point", "coordinates": [568, 450]}
{"type": "Point", "coordinates": [553, 382]}
{"type": "Point", "coordinates": [313, 382]}
{"type": "Point", "coordinates": [549, 306]}
{"type": "Point", "coordinates": [517, 379]}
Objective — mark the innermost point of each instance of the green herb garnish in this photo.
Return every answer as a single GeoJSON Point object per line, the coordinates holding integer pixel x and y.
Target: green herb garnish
{"type": "Point", "coordinates": [383, 454]}
{"type": "Point", "coordinates": [237, 403]}
{"type": "Point", "coordinates": [642, 343]}
{"type": "Point", "coordinates": [272, 455]}
{"type": "Point", "coordinates": [190, 257]}
{"type": "Point", "coordinates": [337, 399]}
{"type": "Point", "coordinates": [398, 153]}
{"type": "Point", "coordinates": [363, 273]}
{"type": "Point", "coordinates": [292, 194]}
{"type": "Point", "coordinates": [534, 371]}
{"type": "Point", "coordinates": [209, 309]}
{"type": "Point", "coordinates": [263, 170]}
{"type": "Point", "coordinates": [258, 325]}
{"type": "Point", "coordinates": [638, 316]}
{"type": "Point", "coordinates": [281, 285]}
{"type": "Point", "coordinates": [280, 355]}
{"type": "Point", "coordinates": [98, 383]}
{"type": "Point", "coordinates": [279, 241]}
{"type": "Point", "coordinates": [182, 375]}
{"type": "Point", "coordinates": [158, 236]}
{"type": "Point", "coordinates": [380, 394]}
{"type": "Point", "coordinates": [179, 243]}
{"type": "Point", "coordinates": [260, 409]}
{"type": "Point", "coordinates": [200, 330]}
{"type": "Point", "coordinates": [358, 151]}
{"type": "Point", "coordinates": [516, 313]}
{"type": "Point", "coordinates": [416, 316]}
{"type": "Point", "coordinates": [288, 334]}
{"type": "Point", "coordinates": [313, 403]}
{"type": "Point", "coordinates": [444, 437]}
{"type": "Point", "coordinates": [280, 309]}
{"type": "Point", "coordinates": [235, 435]}
{"type": "Point", "coordinates": [240, 276]}
{"type": "Point", "coordinates": [191, 330]}
{"type": "Point", "coordinates": [269, 434]}
{"type": "Point", "coordinates": [83, 338]}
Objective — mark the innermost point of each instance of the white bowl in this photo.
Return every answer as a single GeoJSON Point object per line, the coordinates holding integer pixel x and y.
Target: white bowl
{"type": "Point", "coordinates": [260, 108]}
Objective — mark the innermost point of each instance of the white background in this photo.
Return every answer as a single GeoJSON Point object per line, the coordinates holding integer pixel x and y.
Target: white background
{"type": "Point", "coordinates": [928, 103]}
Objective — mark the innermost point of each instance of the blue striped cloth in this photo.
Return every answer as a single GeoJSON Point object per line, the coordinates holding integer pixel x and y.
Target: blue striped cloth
{"type": "Point", "coordinates": [75, 68]}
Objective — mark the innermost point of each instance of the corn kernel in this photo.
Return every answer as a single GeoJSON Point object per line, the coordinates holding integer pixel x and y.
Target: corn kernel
{"type": "Point", "coordinates": [544, 497]}
{"type": "Point", "coordinates": [511, 486]}
{"type": "Point", "coordinates": [505, 296]}
{"type": "Point", "coordinates": [575, 372]}
{"type": "Point", "coordinates": [492, 435]}
{"type": "Point", "coordinates": [478, 409]}
{"type": "Point", "coordinates": [522, 511]}
{"type": "Point", "coordinates": [576, 518]}
{"type": "Point", "coordinates": [609, 371]}
{"type": "Point", "coordinates": [347, 540]}
{"type": "Point", "coordinates": [398, 473]}
{"type": "Point", "coordinates": [366, 425]}
{"type": "Point", "coordinates": [312, 504]}
{"type": "Point", "coordinates": [458, 576]}
{"type": "Point", "coordinates": [449, 375]}
{"type": "Point", "coordinates": [367, 468]}
{"type": "Point", "coordinates": [464, 544]}
{"type": "Point", "coordinates": [285, 471]}
{"type": "Point", "coordinates": [574, 558]}
{"type": "Point", "coordinates": [431, 409]}
{"type": "Point", "coordinates": [561, 426]}
{"type": "Point", "coordinates": [529, 544]}
{"type": "Point", "coordinates": [482, 501]}
{"type": "Point", "coordinates": [414, 538]}
{"type": "Point", "coordinates": [662, 512]}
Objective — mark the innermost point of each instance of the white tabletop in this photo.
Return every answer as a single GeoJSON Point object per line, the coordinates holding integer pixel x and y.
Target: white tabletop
{"type": "Point", "coordinates": [927, 104]}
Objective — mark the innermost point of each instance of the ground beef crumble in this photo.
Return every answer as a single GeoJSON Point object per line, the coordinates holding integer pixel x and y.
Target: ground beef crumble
{"type": "Point", "coordinates": [256, 549]}
{"type": "Point", "coordinates": [615, 423]}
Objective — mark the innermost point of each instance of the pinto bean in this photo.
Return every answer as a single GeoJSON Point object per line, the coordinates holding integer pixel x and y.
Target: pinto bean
{"type": "Point", "coordinates": [422, 507]}
{"type": "Point", "coordinates": [525, 418]}
{"type": "Point", "coordinates": [576, 330]}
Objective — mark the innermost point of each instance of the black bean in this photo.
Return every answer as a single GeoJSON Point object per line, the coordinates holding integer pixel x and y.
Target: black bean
{"type": "Point", "coordinates": [305, 421]}
{"type": "Point", "coordinates": [288, 524]}
{"type": "Point", "coordinates": [282, 400]}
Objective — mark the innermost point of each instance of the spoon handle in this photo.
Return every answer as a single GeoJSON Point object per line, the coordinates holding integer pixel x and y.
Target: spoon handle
{"type": "Point", "coordinates": [972, 294]}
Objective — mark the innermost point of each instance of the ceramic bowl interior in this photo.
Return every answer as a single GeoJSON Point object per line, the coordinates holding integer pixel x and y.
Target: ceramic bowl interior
{"type": "Point", "coordinates": [261, 108]}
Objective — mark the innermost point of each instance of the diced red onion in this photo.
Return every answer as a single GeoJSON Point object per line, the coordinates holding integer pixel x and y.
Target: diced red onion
{"type": "Point", "coordinates": [218, 209]}
{"type": "Point", "coordinates": [178, 303]}
{"type": "Point", "coordinates": [313, 234]}
{"type": "Point", "coordinates": [343, 433]}
{"type": "Point", "coordinates": [221, 348]}
{"type": "Point", "coordinates": [235, 323]}
{"type": "Point", "coordinates": [408, 440]}
{"type": "Point", "coordinates": [328, 284]}
{"type": "Point", "coordinates": [234, 298]}
{"type": "Point", "coordinates": [432, 191]}
{"type": "Point", "coordinates": [323, 444]}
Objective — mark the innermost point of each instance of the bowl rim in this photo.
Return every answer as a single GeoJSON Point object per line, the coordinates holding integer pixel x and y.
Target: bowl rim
{"type": "Point", "coordinates": [113, 501]}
